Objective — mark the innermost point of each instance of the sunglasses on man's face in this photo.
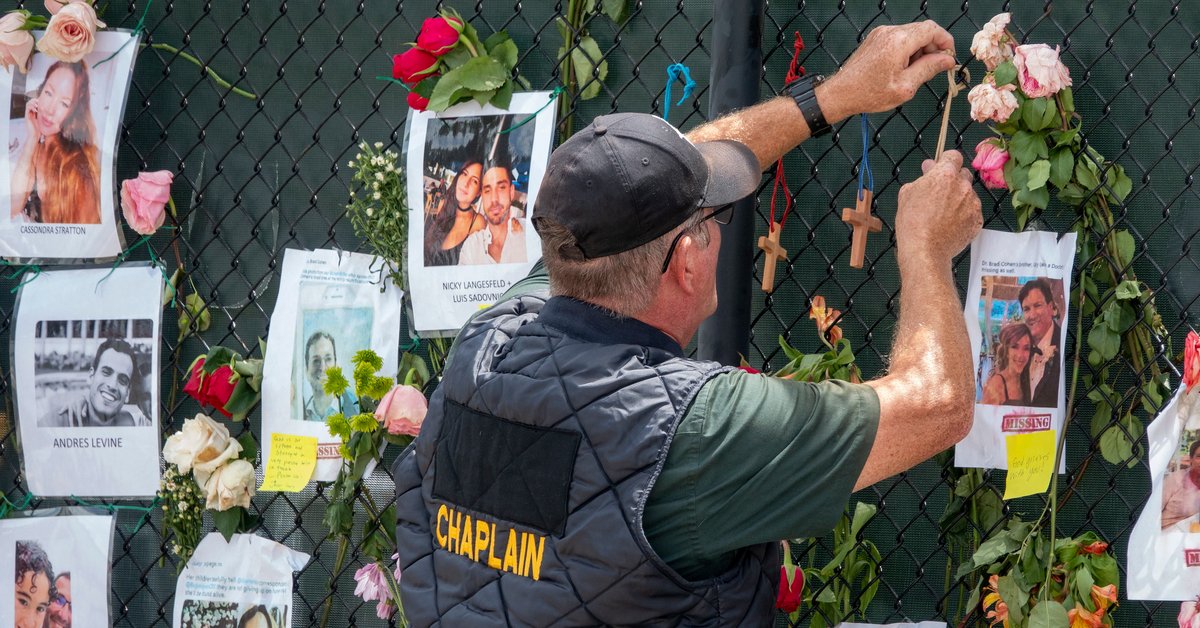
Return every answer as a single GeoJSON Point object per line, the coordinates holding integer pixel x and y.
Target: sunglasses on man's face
{"type": "Point", "coordinates": [721, 215]}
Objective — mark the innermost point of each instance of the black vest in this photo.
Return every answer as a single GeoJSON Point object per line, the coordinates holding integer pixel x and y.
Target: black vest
{"type": "Point", "coordinates": [521, 501]}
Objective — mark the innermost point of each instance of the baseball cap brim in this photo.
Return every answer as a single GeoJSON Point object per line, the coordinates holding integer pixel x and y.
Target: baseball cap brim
{"type": "Point", "coordinates": [733, 172]}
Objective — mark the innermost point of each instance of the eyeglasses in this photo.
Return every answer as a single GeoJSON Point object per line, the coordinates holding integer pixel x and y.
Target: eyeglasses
{"type": "Point", "coordinates": [721, 215]}
{"type": "Point", "coordinates": [61, 600]}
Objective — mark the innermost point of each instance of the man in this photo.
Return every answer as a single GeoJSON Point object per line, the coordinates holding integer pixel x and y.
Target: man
{"type": "Point", "coordinates": [320, 353]}
{"type": "Point", "coordinates": [575, 468]}
{"type": "Point", "coordinates": [59, 615]}
{"type": "Point", "coordinates": [503, 240]}
{"type": "Point", "coordinates": [1181, 491]}
{"type": "Point", "coordinates": [33, 589]}
{"type": "Point", "coordinates": [1037, 306]}
{"type": "Point", "coordinates": [103, 403]}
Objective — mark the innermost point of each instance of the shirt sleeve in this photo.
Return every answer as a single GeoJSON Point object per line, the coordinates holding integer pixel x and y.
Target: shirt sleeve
{"type": "Point", "coordinates": [757, 459]}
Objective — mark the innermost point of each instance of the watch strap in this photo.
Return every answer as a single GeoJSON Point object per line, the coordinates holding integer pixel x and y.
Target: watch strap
{"type": "Point", "coordinates": [803, 91]}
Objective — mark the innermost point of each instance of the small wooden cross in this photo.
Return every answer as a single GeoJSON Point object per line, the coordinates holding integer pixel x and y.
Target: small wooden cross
{"type": "Point", "coordinates": [863, 222]}
{"type": "Point", "coordinates": [770, 245]}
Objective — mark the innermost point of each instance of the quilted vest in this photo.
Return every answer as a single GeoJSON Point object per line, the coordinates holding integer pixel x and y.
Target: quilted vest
{"type": "Point", "coordinates": [521, 502]}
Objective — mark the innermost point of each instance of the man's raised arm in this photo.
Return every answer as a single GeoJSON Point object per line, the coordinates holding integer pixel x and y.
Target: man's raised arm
{"type": "Point", "coordinates": [885, 72]}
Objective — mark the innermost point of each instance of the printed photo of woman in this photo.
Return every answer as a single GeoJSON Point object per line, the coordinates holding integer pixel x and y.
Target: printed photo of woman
{"type": "Point", "coordinates": [1008, 384]}
{"type": "Point", "coordinates": [56, 176]}
{"type": "Point", "coordinates": [453, 217]}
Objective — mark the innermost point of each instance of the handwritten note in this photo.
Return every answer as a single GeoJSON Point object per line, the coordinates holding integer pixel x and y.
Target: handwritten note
{"type": "Point", "coordinates": [1030, 463]}
{"type": "Point", "coordinates": [291, 464]}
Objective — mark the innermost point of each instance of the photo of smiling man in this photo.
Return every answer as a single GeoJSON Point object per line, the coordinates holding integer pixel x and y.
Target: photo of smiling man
{"type": "Point", "coordinates": [89, 373]}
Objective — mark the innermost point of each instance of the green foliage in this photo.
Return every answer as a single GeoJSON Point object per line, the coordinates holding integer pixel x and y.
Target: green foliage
{"type": "Point", "coordinates": [473, 70]}
{"type": "Point", "coordinates": [581, 64]}
{"type": "Point", "coordinates": [836, 363]}
{"type": "Point", "coordinates": [378, 209]}
{"type": "Point", "coordinates": [194, 317]}
{"type": "Point", "coordinates": [845, 586]}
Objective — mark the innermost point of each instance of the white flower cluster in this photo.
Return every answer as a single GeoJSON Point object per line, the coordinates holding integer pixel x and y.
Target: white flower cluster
{"type": "Point", "coordinates": [377, 207]}
{"type": "Point", "coordinates": [205, 448]}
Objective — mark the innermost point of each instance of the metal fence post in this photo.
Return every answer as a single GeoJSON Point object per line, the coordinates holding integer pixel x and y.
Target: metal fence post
{"type": "Point", "coordinates": [736, 70]}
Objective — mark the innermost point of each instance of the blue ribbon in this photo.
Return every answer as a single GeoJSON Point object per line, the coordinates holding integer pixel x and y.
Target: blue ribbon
{"type": "Point", "coordinates": [674, 72]}
{"type": "Point", "coordinates": [864, 169]}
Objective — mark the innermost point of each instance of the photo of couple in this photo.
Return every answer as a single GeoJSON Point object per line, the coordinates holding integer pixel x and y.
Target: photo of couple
{"type": "Point", "coordinates": [1020, 359]}
{"type": "Point", "coordinates": [43, 595]}
{"type": "Point", "coordinates": [475, 189]}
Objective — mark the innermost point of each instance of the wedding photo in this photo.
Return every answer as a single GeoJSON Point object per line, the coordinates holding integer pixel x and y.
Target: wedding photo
{"type": "Point", "coordinates": [1020, 360]}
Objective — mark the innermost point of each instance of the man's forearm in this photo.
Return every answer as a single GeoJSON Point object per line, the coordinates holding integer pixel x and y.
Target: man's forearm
{"type": "Point", "coordinates": [931, 340]}
{"type": "Point", "coordinates": [773, 127]}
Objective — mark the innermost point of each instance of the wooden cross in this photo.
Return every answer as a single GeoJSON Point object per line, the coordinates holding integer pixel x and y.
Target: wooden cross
{"type": "Point", "coordinates": [863, 222]}
{"type": "Point", "coordinates": [770, 245]}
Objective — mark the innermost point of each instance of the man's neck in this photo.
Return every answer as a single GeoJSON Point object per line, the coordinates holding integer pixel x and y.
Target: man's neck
{"type": "Point", "coordinates": [499, 235]}
{"type": "Point", "coordinates": [1046, 335]}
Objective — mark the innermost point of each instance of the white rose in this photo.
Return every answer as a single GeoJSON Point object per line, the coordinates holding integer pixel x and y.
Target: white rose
{"type": "Point", "coordinates": [230, 485]}
{"type": "Point", "coordinates": [991, 45]}
{"type": "Point", "coordinates": [200, 440]}
{"type": "Point", "coordinates": [15, 44]}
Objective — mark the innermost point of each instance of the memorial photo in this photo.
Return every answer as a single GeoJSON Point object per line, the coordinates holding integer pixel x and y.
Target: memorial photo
{"type": "Point", "coordinates": [94, 373]}
{"type": "Point", "coordinates": [329, 333]}
{"type": "Point", "coordinates": [61, 566]}
{"type": "Point", "coordinates": [1020, 361]}
{"type": "Point", "coordinates": [213, 614]}
{"type": "Point", "coordinates": [1181, 487]}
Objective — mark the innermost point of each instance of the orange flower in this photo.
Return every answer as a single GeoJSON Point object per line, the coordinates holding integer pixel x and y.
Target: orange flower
{"type": "Point", "coordinates": [825, 318]}
{"type": "Point", "coordinates": [1191, 359]}
{"type": "Point", "coordinates": [1097, 548]}
{"type": "Point", "coordinates": [999, 614]}
{"type": "Point", "coordinates": [1080, 617]}
{"type": "Point", "coordinates": [1102, 597]}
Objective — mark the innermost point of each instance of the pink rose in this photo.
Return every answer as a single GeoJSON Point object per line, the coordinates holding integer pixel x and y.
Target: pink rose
{"type": "Point", "coordinates": [991, 44]}
{"type": "Point", "coordinates": [439, 35]}
{"type": "Point", "coordinates": [413, 65]}
{"type": "Point", "coordinates": [53, 6]}
{"type": "Point", "coordinates": [143, 200]}
{"type": "Point", "coordinates": [989, 163]}
{"type": "Point", "coordinates": [989, 102]}
{"type": "Point", "coordinates": [71, 34]}
{"type": "Point", "coordinates": [402, 410]}
{"type": "Point", "coordinates": [15, 44]}
{"type": "Point", "coordinates": [1039, 70]}
{"type": "Point", "coordinates": [1189, 614]}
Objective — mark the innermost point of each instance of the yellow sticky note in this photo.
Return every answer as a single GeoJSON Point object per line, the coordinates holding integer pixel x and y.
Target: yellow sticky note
{"type": "Point", "coordinates": [1030, 463]}
{"type": "Point", "coordinates": [292, 462]}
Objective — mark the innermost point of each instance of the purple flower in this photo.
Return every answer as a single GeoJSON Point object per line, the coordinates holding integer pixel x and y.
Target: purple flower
{"type": "Point", "coordinates": [372, 584]}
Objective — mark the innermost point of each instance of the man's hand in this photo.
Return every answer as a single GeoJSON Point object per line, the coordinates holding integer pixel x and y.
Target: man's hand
{"type": "Point", "coordinates": [940, 212]}
{"type": "Point", "coordinates": [887, 69]}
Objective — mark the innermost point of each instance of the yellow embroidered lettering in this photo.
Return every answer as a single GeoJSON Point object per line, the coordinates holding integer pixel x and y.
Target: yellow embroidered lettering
{"type": "Point", "coordinates": [452, 530]}
{"type": "Point", "coordinates": [510, 552]}
{"type": "Point", "coordinates": [493, 561]}
{"type": "Point", "coordinates": [482, 537]}
{"type": "Point", "coordinates": [437, 528]}
{"type": "Point", "coordinates": [531, 555]}
{"type": "Point", "coordinates": [466, 542]}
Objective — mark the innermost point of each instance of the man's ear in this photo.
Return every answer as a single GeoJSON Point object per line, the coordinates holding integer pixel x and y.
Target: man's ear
{"type": "Point", "coordinates": [683, 263]}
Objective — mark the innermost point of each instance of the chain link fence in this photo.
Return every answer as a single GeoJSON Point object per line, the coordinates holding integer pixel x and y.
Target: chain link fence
{"type": "Point", "coordinates": [257, 176]}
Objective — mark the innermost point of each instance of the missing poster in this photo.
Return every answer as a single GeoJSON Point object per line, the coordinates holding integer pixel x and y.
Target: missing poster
{"type": "Point", "coordinates": [246, 582]}
{"type": "Point", "coordinates": [331, 305]}
{"type": "Point", "coordinates": [62, 570]}
{"type": "Point", "coordinates": [473, 174]}
{"type": "Point", "coordinates": [86, 374]}
{"type": "Point", "coordinates": [1164, 547]}
{"type": "Point", "coordinates": [1016, 313]}
{"type": "Point", "coordinates": [59, 199]}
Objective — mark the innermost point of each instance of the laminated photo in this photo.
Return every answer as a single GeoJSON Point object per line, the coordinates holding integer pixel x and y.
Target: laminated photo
{"type": "Point", "coordinates": [1016, 314]}
{"type": "Point", "coordinates": [62, 570]}
{"type": "Point", "coordinates": [243, 583]}
{"type": "Point", "coordinates": [59, 192]}
{"type": "Point", "coordinates": [331, 305]}
{"type": "Point", "coordinates": [473, 173]}
{"type": "Point", "coordinates": [86, 374]}
{"type": "Point", "coordinates": [1164, 547]}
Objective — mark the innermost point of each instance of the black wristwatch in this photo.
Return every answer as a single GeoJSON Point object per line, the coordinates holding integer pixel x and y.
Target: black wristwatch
{"type": "Point", "coordinates": [803, 91]}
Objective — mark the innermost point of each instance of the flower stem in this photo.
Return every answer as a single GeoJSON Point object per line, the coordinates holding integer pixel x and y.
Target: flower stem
{"type": "Point", "coordinates": [337, 567]}
{"type": "Point", "coordinates": [212, 74]}
{"type": "Point", "coordinates": [467, 42]}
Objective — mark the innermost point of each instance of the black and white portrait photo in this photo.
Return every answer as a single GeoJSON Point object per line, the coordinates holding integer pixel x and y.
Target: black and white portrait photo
{"type": "Point", "coordinates": [63, 119]}
{"type": "Point", "coordinates": [86, 375]}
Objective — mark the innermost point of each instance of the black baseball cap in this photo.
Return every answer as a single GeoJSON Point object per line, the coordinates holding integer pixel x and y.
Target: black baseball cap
{"type": "Point", "coordinates": [628, 178]}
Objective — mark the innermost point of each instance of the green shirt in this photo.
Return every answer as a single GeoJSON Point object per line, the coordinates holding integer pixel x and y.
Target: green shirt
{"type": "Point", "coordinates": [755, 459]}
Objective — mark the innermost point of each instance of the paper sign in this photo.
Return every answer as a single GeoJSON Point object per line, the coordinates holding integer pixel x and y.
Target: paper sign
{"type": "Point", "coordinates": [291, 464]}
{"type": "Point", "coordinates": [1030, 463]}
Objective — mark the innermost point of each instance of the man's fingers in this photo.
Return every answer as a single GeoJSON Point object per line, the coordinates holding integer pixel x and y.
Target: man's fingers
{"type": "Point", "coordinates": [926, 67]}
{"type": "Point", "coordinates": [927, 33]}
{"type": "Point", "coordinates": [953, 158]}
{"type": "Point", "coordinates": [927, 165]}
{"type": "Point", "coordinates": [966, 175]}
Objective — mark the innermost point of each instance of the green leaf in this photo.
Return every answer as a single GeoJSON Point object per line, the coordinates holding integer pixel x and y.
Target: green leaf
{"type": "Point", "coordinates": [228, 521]}
{"type": "Point", "coordinates": [1023, 147]}
{"type": "Point", "coordinates": [1037, 198]}
{"type": "Point", "coordinates": [863, 512]}
{"type": "Point", "coordinates": [1115, 446]}
{"type": "Point", "coordinates": [457, 56]}
{"type": "Point", "coordinates": [483, 97]}
{"type": "Point", "coordinates": [1014, 597]}
{"type": "Point", "coordinates": [242, 400]}
{"type": "Point", "coordinates": [1033, 112]}
{"type": "Point", "coordinates": [1128, 289]}
{"type": "Point", "coordinates": [1039, 173]}
{"type": "Point", "coordinates": [217, 357]}
{"type": "Point", "coordinates": [590, 67]}
{"type": "Point", "coordinates": [503, 50]}
{"type": "Point", "coordinates": [1086, 175]}
{"type": "Point", "coordinates": [449, 89]}
{"type": "Point", "coordinates": [503, 97]}
{"type": "Point", "coordinates": [480, 74]}
{"type": "Point", "coordinates": [1004, 73]}
{"type": "Point", "coordinates": [1125, 246]}
{"type": "Point", "coordinates": [1015, 177]}
{"type": "Point", "coordinates": [1120, 183]}
{"type": "Point", "coordinates": [1048, 614]}
{"type": "Point", "coordinates": [616, 10]}
{"type": "Point", "coordinates": [1067, 99]}
{"type": "Point", "coordinates": [1082, 588]}
{"type": "Point", "coordinates": [1062, 163]}
{"type": "Point", "coordinates": [1064, 138]}
{"type": "Point", "coordinates": [993, 549]}
{"type": "Point", "coordinates": [249, 447]}
{"type": "Point", "coordinates": [1104, 569]}
{"type": "Point", "coordinates": [1104, 341]}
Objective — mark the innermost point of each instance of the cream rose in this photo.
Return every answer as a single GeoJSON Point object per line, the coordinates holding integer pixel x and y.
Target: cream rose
{"type": "Point", "coordinates": [230, 485]}
{"type": "Point", "coordinates": [200, 442]}
{"type": "Point", "coordinates": [991, 103]}
{"type": "Point", "coordinates": [71, 34]}
{"type": "Point", "coordinates": [1039, 70]}
{"type": "Point", "coordinates": [991, 44]}
{"type": "Point", "coordinates": [15, 44]}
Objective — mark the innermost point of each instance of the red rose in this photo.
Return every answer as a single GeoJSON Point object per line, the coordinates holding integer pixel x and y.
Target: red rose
{"type": "Point", "coordinates": [218, 388]}
{"type": "Point", "coordinates": [417, 101]}
{"type": "Point", "coordinates": [439, 35]}
{"type": "Point", "coordinates": [1191, 360]}
{"type": "Point", "coordinates": [413, 65]}
{"type": "Point", "coordinates": [790, 594]}
{"type": "Point", "coordinates": [750, 369]}
{"type": "Point", "coordinates": [195, 381]}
